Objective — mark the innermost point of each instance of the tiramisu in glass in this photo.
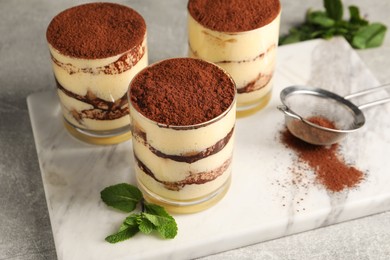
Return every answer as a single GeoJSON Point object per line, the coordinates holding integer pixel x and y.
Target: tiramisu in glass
{"type": "Point", "coordinates": [241, 36]}
{"type": "Point", "coordinates": [183, 114]}
{"type": "Point", "coordinates": [96, 49]}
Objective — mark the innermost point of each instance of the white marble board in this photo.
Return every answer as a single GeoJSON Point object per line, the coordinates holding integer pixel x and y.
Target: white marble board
{"type": "Point", "coordinates": [262, 202]}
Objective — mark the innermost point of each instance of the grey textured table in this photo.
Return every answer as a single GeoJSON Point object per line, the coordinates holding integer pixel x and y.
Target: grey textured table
{"type": "Point", "coordinates": [25, 231]}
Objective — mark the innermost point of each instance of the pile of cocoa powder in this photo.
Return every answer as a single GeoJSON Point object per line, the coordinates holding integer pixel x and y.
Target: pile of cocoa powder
{"type": "Point", "coordinates": [331, 170]}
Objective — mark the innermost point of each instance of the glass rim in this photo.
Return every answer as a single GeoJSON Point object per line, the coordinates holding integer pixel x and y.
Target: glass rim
{"type": "Point", "coordinates": [185, 127]}
{"type": "Point", "coordinates": [139, 45]}
{"type": "Point", "coordinates": [237, 32]}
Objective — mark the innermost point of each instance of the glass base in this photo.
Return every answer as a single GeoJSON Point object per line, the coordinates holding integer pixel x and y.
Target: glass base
{"type": "Point", "coordinates": [97, 137]}
{"type": "Point", "coordinates": [247, 109]}
{"type": "Point", "coordinates": [186, 206]}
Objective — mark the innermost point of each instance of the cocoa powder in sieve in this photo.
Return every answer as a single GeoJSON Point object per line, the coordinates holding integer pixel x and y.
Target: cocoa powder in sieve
{"type": "Point", "coordinates": [234, 15]}
{"type": "Point", "coordinates": [307, 132]}
{"type": "Point", "coordinates": [321, 121]}
{"type": "Point", "coordinates": [182, 92]}
{"type": "Point", "coordinates": [330, 169]}
{"type": "Point", "coordinates": [96, 30]}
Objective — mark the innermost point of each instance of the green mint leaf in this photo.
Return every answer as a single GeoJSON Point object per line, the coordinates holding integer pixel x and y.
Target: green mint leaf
{"type": "Point", "coordinates": [334, 9]}
{"type": "Point", "coordinates": [354, 13]}
{"type": "Point", "coordinates": [146, 226]}
{"type": "Point", "coordinates": [369, 36]}
{"type": "Point", "coordinates": [156, 210]}
{"type": "Point", "coordinates": [319, 24]}
{"type": "Point", "coordinates": [132, 220]}
{"type": "Point", "coordinates": [168, 230]}
{"type": "Point", "coordinates": [320, 18]}
{"type": "Point", "coordinates": [125, 232]}
{"type": "Point", "coordinates": [122, 196]}
{"type": "Point", "coordinates": [165, 224]}
{"type": "Point", "coordinates": [289, 38]}
{"type": "Point", "coordinates": [152, 217]}
{"type": "Point", "coordinates": [355, 17]}
{"type": "Point", "coordinates": [329, 33]}
{"type": "Point", "coordinates": [296, 34]}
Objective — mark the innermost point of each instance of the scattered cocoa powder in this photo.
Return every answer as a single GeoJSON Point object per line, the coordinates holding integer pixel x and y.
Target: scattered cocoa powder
{"type": "Point", "coordinates": [234, 15]}
{"type": "Point", "coordinates": [182, 91]}
{"type": "Point", "coordinates": [330, 169]}
{"type": "Point", "coordinates": [96, 30]}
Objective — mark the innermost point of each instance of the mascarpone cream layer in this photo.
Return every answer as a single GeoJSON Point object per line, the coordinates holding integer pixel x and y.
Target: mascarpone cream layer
{"type": "Point", "coordinates": [171, 141]}
{"type": "Point", "coordinates": [169, 170]}
{"type": "Point", "coordinates": [81, 75]}
{"type": "Point", "coordinates": [69, 105]}
{"type": "Point", "coordinates": [246, 56]}
{"type": "Point", "coordinates": [107, 79]}
{"type": "Point", "coordinates": [183, 142]}
{"type": "Point", "coordinates": [217, 46]}
{"type": "Point", "coordinates": [248, 98]}
{"type": "Point", "coordinates": [188, 192]}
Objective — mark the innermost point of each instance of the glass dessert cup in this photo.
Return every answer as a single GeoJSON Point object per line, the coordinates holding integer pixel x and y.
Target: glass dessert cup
{"type": "Point", "coordinates": [92, 81]}
{"type": "Point", "coordinates": [185, 168]}
{"type": "Point", "coordinates": [248, 56]}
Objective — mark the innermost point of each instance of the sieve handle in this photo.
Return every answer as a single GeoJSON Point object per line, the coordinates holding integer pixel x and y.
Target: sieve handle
{"type": "Point", "coordinates": [374, 103]}
{"type": "Point", "coordinates": [368, 91]}
{"type": "Point", "coordinates": [288, 112]}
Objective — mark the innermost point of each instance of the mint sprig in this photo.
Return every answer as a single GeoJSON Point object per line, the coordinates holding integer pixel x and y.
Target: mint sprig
{"type": "Point", "coordinates": [325, 24]}
{"type": "Point", "coordinates": [122, 196]}
{"type": "Point", "coordinates": [152, 217]}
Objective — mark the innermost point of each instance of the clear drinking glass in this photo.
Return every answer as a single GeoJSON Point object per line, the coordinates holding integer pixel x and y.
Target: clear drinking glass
{"type": "Point", "coordinates": [185, 168]}
{"type": "Point", "coordinates": [96, 49]}
{"type": "Point", "coordinates": [249, 56]}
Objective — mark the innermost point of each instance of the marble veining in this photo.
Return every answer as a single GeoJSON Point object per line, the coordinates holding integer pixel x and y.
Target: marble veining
{"type": "Point", "coordinates": [263, 202]}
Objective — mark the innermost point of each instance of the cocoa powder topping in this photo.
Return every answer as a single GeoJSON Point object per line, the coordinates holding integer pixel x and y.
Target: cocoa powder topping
{"type": "Point", "coordinates": [182, 92]}
{"type": "Point", "coordinates": [96, 30]}
{"type": "Point", "coordinates": [234, 15]}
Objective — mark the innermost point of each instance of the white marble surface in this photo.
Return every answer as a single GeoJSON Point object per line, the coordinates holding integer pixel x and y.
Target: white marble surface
{"type": "Point", "coordinates": [261, 204]}
{"type": "Point", "coordinates": [25, 230]}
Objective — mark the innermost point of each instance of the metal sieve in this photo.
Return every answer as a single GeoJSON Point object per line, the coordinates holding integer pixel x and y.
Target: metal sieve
{"type": "Point", "coordinates": [301, 103]}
